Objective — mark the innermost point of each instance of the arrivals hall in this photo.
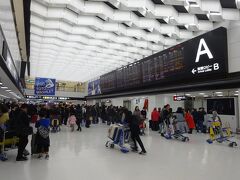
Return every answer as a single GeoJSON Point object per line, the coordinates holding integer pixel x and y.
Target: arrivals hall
{"type": "Point", "coordinates": [119, 89]}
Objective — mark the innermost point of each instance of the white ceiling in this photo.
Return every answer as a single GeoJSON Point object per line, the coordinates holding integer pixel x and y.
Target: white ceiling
{"type": "Point", "coordinates": [77, 40]}
{"type": "Point", "coordinates": [10, 91]}
{"type": "Point", "coordinates": [8, 27]}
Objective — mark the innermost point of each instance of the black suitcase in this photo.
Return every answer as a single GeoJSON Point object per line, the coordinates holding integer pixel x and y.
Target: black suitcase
{"type": "Point", "coordinates": [88, 122]}
{"type": "Point", "coordinates": [150, 124]}
{"type": "Point", "coordinates": [34, 144]}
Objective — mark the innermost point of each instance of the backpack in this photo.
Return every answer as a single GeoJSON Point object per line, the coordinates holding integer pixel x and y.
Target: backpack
{"type": "Point", "coordinates": [43, 132]}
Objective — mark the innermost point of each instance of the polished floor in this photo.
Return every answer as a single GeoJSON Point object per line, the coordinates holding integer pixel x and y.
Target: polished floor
{"type": "Point", "coordinates": [83, 156]}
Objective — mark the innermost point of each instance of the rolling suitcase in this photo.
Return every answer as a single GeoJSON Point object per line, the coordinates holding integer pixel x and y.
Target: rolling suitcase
{"type": "Point", "coordinates": [34, 144]}
{"type": "Point", "coordinates": [112, 131]}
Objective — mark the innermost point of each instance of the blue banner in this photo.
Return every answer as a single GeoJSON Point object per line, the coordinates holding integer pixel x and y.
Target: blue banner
{"type": "Point", "coordinates": [94, 87]}
{"type": "Point", "coordinates": [44, 86]}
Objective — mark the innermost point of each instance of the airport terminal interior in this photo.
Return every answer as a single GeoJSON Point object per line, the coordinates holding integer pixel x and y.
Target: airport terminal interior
{"type": "Point", "coordinates": [119, 89]}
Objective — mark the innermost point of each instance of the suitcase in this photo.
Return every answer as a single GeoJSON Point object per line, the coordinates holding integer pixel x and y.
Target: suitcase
{"type": "Point", "coordinates": [112, 131]}
{"type": "Point", "coordinates": [88, 122]}
{"type": "Point", "coordinates": [34, 144]}
{"type": "Point", "coordinates": [150, 124]}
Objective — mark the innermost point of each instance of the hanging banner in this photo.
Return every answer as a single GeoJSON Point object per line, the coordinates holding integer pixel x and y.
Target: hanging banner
{"type": "Point", "coordinates": [44, 86]}
{"type": "Point", "coordinates": [94, 87]}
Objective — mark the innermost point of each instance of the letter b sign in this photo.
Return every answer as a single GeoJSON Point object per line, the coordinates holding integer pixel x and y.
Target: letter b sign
{"type": "Point", "coordinates": [215, 66]}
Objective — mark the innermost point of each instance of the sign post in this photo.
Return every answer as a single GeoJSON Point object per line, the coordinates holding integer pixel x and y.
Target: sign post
{"type": "Point", "coordinates": [45, 86]}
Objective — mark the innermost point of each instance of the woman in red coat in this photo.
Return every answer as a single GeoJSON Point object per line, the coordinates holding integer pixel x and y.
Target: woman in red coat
{"type": "Point", "coordinates": [155, 118]}
{"type": "Point", "coordinates": [190, 121]}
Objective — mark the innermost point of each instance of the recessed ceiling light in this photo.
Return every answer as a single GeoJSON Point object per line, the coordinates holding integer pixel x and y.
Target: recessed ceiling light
{"type": "Point", "coordinates": [236, 91]}
{"type": "Point", "coordinates": [0, 83]}
{"type": "Point", "coordinates": [201, 93]}
{"type": "Point", "coordinates": [220, 95]}
{"type": "Point", "coordinates": [219, 92]}
{"type": "Point", "coordinates": [188, 94]}
{"type": "Point", "coordinates": [205, 96]}
{"type": "Point", "coordinates": [4, 87]}
{"type": "Point", "coordinates": [235, 94]}
{"type": "Point", "coordinates": [8, 90]}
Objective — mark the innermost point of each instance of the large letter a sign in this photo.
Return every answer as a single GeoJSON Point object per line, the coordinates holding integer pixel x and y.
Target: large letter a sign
{"type": "Point", "coordinates": [201, 51]}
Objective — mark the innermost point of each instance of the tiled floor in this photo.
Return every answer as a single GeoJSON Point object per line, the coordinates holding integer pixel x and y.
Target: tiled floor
{"type": "Point", "coordinates": [83, 156]}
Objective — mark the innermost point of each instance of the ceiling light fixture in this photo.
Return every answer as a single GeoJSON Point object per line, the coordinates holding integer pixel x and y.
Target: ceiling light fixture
{"type": "Point", "coordinates": [8, 90]}
{"type": "Point", "coordinates": [220, 95]}
{"type": "Point", "coordinates": [1, 83]}
{"type": "Point", "coordinates": [219, 92]}
{"type": "Point", "coordinates": [235, 94]}
{"type": "Point", "coordinates": [4, 87]}
{"type": "Point", "coordinates": [201, 93]}
{"type": "Point", "coordinates": [3, 96]}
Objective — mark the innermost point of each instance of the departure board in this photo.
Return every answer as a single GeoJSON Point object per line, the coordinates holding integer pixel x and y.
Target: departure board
{"type": "Point", "coordinates": [202, 57]}
{"type": "Point", "coordinates": [120, 77]}
{"type": "Point", "coordinates": [163, 64]}
{"type": "Point", "coordinates": [132, 75]}
{"type": "Point", "coordinates": [108, 81]}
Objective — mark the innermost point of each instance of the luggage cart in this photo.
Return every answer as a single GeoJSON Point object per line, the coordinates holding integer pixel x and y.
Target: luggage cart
{"type": "Point", "coordinates": [55, 124]}
{"type": "Point", "coordinates": [6, 142]}
{"type": "Point", "coordinates": [119, 135]}
{"type": "Point", "coordinates": [219, 134]}
{"type": "Point", "coordinates": [172, 133]}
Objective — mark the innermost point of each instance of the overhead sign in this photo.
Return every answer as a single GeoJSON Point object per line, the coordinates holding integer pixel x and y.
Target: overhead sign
{"type": "Point", "coordinates": [207, 54]}
{"type": "Point", "coordinates": [179, 98]}
{"type": "Point", "coordinates": [44, 86]}
{"type": "Point", "coordinates": [199, 59]}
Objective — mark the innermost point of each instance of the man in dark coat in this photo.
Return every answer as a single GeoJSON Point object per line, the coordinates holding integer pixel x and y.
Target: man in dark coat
{"type": "Point", "coordinates": [135, 131]}
{"type": "Point", "coordinates": [23, 129]}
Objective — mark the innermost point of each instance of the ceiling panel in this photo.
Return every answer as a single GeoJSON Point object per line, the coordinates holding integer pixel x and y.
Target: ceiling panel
{"type": "Point", "coordinates": [80, 40]}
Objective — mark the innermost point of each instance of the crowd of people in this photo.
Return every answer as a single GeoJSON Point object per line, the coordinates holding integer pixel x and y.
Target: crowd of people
{"type": "Point", "coordinates": [19, 119]}
{"type": "Point", "coordinates": [185, 120]}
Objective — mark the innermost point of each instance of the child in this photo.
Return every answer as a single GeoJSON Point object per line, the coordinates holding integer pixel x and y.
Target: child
{"type": "Point", "coordinates": [42, 138]}
{"type": "Point", "coordinates": [72, 121]}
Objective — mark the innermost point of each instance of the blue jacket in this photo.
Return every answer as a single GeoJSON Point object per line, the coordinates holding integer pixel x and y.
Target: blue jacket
{"type": "Point", "coordinates": [43, 122]}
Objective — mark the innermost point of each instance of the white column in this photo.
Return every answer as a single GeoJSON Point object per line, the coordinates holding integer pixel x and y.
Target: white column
{"type": "Point", "coordinates": [238, 108]}
{"type": "Point", "coordinates": [152, 103]}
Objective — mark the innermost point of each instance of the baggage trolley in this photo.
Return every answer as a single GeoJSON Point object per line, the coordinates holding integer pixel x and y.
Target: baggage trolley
{"type": "Point", "coordinates": [119, 135]}
{"type": "Point", "coordinates": [6, 142]}
{"type": "Point", "coordinates": [219, 134]}
{"type": "Point", "coordinates": [172, 133]}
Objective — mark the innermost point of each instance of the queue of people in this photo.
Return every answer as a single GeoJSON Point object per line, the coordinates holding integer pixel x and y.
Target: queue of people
{"type": "Point", "coordinates": [19, 118]}
{"type": "Point", "coordinates": [186, 120]}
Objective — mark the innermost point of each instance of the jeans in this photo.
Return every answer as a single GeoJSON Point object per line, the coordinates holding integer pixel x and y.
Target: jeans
{"type": "Point", "coordinates": [199, 126]}
{"type": "Point", "coordinates": [161, 127]}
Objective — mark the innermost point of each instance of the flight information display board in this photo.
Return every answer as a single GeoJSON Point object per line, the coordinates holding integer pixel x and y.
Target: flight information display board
{"type": "Point", "coordinates": [108, 81]}
{"type": "Point", "coordinates": [163, 65]}
{"type": "Point", "coordinates": [201, 58]}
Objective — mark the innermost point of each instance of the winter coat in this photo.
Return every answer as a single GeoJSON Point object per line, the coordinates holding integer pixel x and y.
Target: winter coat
{"type": "Point", "coordinates": [134, 125]}
{"type": "Point", "coordinates": [23, 124]}
{"type": "Point", "coordinates": [72, 120]}
{"type": "Point", "coordinates": [190, 121]}
{"type": "Point", "coordinates": [155, 116]}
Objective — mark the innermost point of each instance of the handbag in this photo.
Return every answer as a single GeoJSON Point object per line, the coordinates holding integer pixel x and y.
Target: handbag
{"type": "Point", "coordinates": [43, 132]}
